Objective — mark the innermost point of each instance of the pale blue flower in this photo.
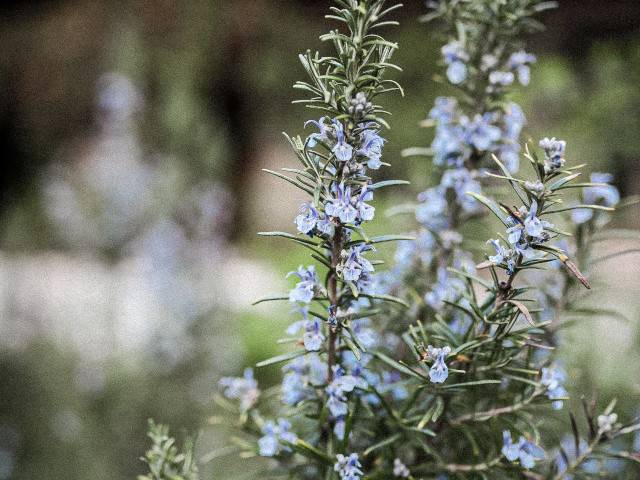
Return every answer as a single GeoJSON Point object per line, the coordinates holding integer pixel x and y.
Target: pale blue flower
{"type": "Point", "coordinates": [519, 62]}
{"type": "Point", "coordinates": [513, 120]}
{"type": "Point", "coordinates": [313, 337]}
{"type": "Point", "coordinates": [462, 181]}
{"type": "Point", "coordinates": [336, 390]}
{"type": "Point", "coordinates": [340, 206]}
{"type": "Point", "coordinates": [480, 132]}
{"type": "Point", "coordinates": [432, 211]}
{"type": "Point", "coordinates": [342, 150]}
{"type": "Point", "coordinates": [269, 444]}
{"type": "Point", "coordinates": [446, 289]}
{"type": "Point", "coordinates": [307, 219]}
{"type": "Point", "coordinates": [449, 147]}
{"type": "Point", "coordinates": [569, 446]}
{"type": "Point", "coordinates": [533, 226]}
{"type": "Point", "coordinates": [348, 467]}
{"type": "Point", "coordinates": [365, 211]}
{"type": "Point", "coordinates": [339, 427]}
{"type": "Point", "coordinates": [457, 72]}
{"type": "Point", "coordinates": [607, 422]}
{"type": "Point", "coordinates": [365, 335]}
{"type": "Point", "coordinates": [392, 382]}
{"type": "Point", "coordinates": [371, 147]}
{"type": "Point", "coordinates": [354, 264]}
{"type": "Point", "coordinates": [503, 79]}
{"type": "Point", "coordinates": [306, 287]}
{"type": "Point", "coordinates": [301, 378]}
{"type": "Point", "coordinates": [321, 136]}
{"type": "Point", "coordinates": [524, 451]}
{"type": "Point", "coordinates": [444, 110]}
{"type": "Point", "coordinates": [503, 255]}
{"type": "Point", "coordinates": [530, 230]}
{"type": "Point", "coordinates": [326, 226]}
{"type": "Point", "coordinates": [243, 388]}
{"type": "Point", "coordinates": [553, 378]}
{"type": "Point", "coordinates": [455, 57]}
{"type": "Point", "coordinates": [439, 371]}
{"type": "Point", "coordinates": [400, 470]}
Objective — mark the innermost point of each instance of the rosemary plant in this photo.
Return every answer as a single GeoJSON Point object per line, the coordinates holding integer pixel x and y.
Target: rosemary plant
{"type": "Point", "coordinates": [332, 387]}
{"type": "Point", "coordinates": [463, 381]}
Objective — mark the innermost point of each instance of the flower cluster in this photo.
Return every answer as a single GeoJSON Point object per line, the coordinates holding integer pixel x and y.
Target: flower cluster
{"type": "Point", "coordinates": [553, 379]}
{"type": "Point", "coordinates": [348, 467]}
{"type": "Point", "coordinates": [270, 443]}
{"type": "Point", "coordinates": [500, 74]}
{"type": "Point", "coordinates": [523, 451]}
{"type": "Point", "coordinates": [245, 389]}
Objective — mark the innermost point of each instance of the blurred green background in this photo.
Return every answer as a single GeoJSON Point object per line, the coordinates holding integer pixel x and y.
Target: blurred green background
{"type": "Point", "coordinates": [133, 134]}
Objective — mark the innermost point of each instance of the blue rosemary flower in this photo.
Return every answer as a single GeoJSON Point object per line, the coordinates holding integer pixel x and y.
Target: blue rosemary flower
{"type": "Point", "coordinates": [306, 287]}
{"type": "Point", "coordinates": [462, 181]}
{"type": "Point", "coordinates": [340, 206]}
{"type": "Point", "coordinates": [513, 120]}
{"type": "Point", "coordinates": [568, 444]}
{"type": "Point", "coordinates": [530, 230]}
{"type": "Point", "coordinates": [554, 153]}
{"type": "Point", "coordinates": [439, 371]}
{"type": "Point", "coordinates": [503, 255]}
{"type": "Point", "coordinates": [455, 57]}
{"type": "Point", "coordinates": [342, 150]}
{"type": "Point", "coordinates": [243, 388]}
{"type": "Point", "coordinates": [336, 390]}
{"type": "Point", "coordinates": [432, 211]}
{"type": "Point", "coordinates": [301, 377]}
{"type": "Point", "coordinates": [269, 444]}
{"type": "Point", "coordinates": [447, 288]}
{"type": "Point", "coordinates": [519, 62]}
{"type": "Point", "coordinates": [313, 336]}
{"type": "Point", "coordinates": [449, 147]}
{"type": "Point", "coordinates": [400, 470]}
{"type": "Point", "coordinates": [392, 382]}
{"type": "Point", "coordinates": [501, 78]}
{"type": "Point", "coordinates": [535, 188]}
{"type": "Point", "coordinates": [365, 335]}
{"type": "Point", "coordinates": [321, 136]}
{"type": "Point", "coordinates": [371, 147]}
{"type": "Point", "coordinates": [307, 219]}
{"type": "Point", "coordinates": [524, 451]}
{"type": "Point", "coordinates": [444, 110]}
{"type": "Point", "coordinates": [365, 211]}
{"type": "Point", "coordinates": [480, 132]}
{"type": "Point", "coordinates": [553, 378]}
{"type": "Point", "coordinates": [348, 467]}
{"type": "Point", "coordinates": [353, 264]}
